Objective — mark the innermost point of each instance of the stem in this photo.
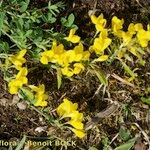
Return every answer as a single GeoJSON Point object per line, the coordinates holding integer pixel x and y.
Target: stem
{"type": "Point", "coordinates": [46, 117]}
{"type": "Point", "coordinates": [115, 53]}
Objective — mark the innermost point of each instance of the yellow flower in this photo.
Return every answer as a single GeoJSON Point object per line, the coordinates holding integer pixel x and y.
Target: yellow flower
{"type": "Point", "coordinates": [71, 56]}
{"type": "Point", "coordinates": [102, 58]}
{"type": "Point", "coordinates": [77, 68]}
{"type": "Point", "coordinates": [78, 133]}
{"type": "Point", "coordinates": [80, 54]}
{"type": "Point", "coordinates": [69, 110]}
{"type": "Point", "coordinates": [22, 74]}
{"type": "Point", "coordinates": [14, 86]}
{"type": "Point", "coordinates": [76, 124]}
{"type": "Point", "coordinates": [72, 37]}
{"type": "Point", "coordinates": [138, 27]}
{"type": "Point", "coordinates": [21, 79]}
{"type": "Point", "coordinates": [75, 115]}
{"type": "Point", "coordinates": [134, 51]}
{"type": "Point", "coordinates": [65, 59]}
{"type": "Point", "coordinates": [76, 119]}
{"type": "Point", "coordinates": [86, 55]}
{"type": "Point", "coordinates": [143, 37]}
{"type": "Point", "coordinates": [117, 25]}
{"type": "Point", "coordinates": [58, 52]}
{"type": "Point", "coordinates": [55, 55]}
{"type": "Point", "coordinates": [45, 56]}
{"type": "Point", "coordinates": [121, 53]}
{"type": "Point", "coordinates": [77, 54]}
{"type": "Point", "coordinates": [41, 103]}
{"type": "Point", "coordinates": [101, 43]}
{"type": "Point", "coordinates": [67, 71]}
{"type": "Point", "coordinates": [99, 22]}
{"type": "Point", "coordinates": [66, 108]}
{"type": "Point", "coordinates": [127, 36]}
{"type": "Point", "coordinates": [132, 29]}
{"type": "Point", "coordinates": [18, 59]}
{"type": "Point", "coordinates": [40, 95]}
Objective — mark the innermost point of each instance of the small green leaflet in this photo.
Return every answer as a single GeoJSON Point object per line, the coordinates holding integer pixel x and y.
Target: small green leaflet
{"type": "Point", "coordinates": [145, 100]}
{"type": "Point", "coordinates": [127, 146]}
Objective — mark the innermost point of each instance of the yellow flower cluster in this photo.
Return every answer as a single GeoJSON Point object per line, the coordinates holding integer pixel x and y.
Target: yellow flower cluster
{"type": "Point", "coordinates": [21, 79]}
{"type": "Point", "coordinates": [18, 60]}
{"type": "Point", "coordinates": [70, 61]}
{"type": "Point", "coordinates": [67, 109]}
{"type": "Point", "coordinates": [131, 38]}
{"type": "Point", "coordinates": [72, 37]}
{"type": "Point", "coordinates": [143, 36]}
{"type": "Point", "coordinates": [99, 22]}
{"type": "Point", "coordinates": [135, 34]}
{"type": "Point", "coordinates": [117, 26]}
{"type": "Point", "coordinates": [102, 41]}
{"type": "Point", "coordinates": [15, 84]}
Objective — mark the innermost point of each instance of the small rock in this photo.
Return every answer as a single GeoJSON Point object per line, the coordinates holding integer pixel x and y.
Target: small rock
{"type": "Point", "coordinates": [15, 100]}
{"type": "Point", "coordinates": [22, 105]}
{"type": "Point", "coordinates": [3, 101]}
{"type": "Point", "coordinates": [41, 129]}
{"type": "Point", "coordinates": [139, 145]}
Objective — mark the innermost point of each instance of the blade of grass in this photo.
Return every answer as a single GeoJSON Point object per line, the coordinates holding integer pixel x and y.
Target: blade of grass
{"type": "Point", "coordinates": [21, 144]}
{"type": "Point", "coordinates": [59, 78]}
{"type": "Point", "coordinates": [127, 146]}
{"type": "Point", "coordinates": [100, 74]}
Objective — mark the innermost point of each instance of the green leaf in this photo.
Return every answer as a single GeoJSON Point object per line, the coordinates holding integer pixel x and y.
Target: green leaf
{"type": "Point", "coordinates": [2, 15]}
{"type": "Point", "coordinates": [59, 78]}
{"type": "Point", "coordinates": [128, 70]}
{"type": "Point", "coordinates": [10, 147]}
{"type": "Point", "coordinates": [21, 144]}
{"type": "Point", "coordinates": [63, 20]}
{"type": "Point", "coordinates": [127, 146]}
{"type": "Point", "coordinates": [24, 5]}
{"type": "Point", "coordinates": [53, 8]}
{"type": "Point", "coordinates": [92, 148]}
{"type": "Point", "coordinates": [50, 18]}
{"type": "Point", "coordinates": [1, 2]}
{"type": "Point", "coordinates": [142, 62]}
{"type": "Point", "coordinates": [26, 94]}
{"type": "Point", "coordinates": [106, 143]}
{"type": "Point", "coordinates": [124, 133]}
{"type": "Point", "coordinates": [4, 47]}
{"type": "Point", "coordinates": [28, 33]}
{"type": "Point", "coordinates": [100, 75]}
{"type": "Point", "coordinates": [145, 100]}
{"type": "Point", "coordinates": [19, 23]}
{"type": "Point", "coordinates": [69, 21]}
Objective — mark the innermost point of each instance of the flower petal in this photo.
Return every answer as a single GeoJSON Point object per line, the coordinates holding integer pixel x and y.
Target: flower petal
{"type": "Point", "coordinates": [78, 133]}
